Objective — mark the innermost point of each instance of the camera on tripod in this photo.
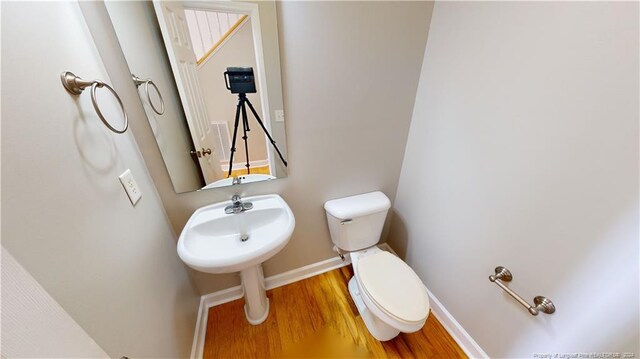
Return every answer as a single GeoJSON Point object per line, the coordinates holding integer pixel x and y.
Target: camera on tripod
{"type": "Point", "coordinates": [240, 80]}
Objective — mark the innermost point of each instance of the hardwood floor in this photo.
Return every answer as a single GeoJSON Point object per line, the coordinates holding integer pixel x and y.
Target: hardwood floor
{"type": "Point", "coordinates": [316, 318]}
{"type": "Point", "coordinates": [265, 170]}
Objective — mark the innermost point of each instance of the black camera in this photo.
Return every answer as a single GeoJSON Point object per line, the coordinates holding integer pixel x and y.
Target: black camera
{"type": "Point", "coordinates": [240, 80]}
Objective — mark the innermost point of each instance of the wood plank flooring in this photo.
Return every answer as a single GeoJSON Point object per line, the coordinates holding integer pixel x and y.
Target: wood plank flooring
{"type": "Point", "coordinates": [316, 318]}
{"type": "Point", "coordinates": [265, 170]}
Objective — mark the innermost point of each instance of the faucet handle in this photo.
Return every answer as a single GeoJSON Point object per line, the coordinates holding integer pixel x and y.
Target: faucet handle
{"type": "Point", "coordinates": [236, 198]}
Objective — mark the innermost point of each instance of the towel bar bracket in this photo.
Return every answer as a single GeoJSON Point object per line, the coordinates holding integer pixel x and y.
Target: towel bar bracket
{"type": "Point", "coordinates": [75, 85]}
{"type": "Point", "coordinates": [541, 304]}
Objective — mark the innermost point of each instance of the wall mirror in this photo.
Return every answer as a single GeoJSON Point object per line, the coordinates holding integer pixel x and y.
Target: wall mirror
{"type": "Point", "coordinates": [178, 53]}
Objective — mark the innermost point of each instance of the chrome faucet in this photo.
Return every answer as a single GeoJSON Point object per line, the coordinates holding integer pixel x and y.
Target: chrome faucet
{"type": "Point", "coordinates": [237, 206]}
{"type": "Point", "coordinates": [236, 180]}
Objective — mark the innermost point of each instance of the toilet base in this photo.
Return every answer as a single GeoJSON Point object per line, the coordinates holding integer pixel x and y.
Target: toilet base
{"type": "Point", "coordinates": [379, 329]}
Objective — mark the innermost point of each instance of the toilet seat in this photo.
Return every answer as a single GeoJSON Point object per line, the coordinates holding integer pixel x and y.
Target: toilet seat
{"type": "Point", "coordinates": [393, 287]}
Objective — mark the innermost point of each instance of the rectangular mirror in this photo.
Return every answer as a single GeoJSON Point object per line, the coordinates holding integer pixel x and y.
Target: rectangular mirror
{"type": "Point", "coordinates": [213, 129]}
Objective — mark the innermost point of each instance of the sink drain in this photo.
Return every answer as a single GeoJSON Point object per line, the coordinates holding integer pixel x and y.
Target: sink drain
{"type": "Point", "coordinates": [244, 237]}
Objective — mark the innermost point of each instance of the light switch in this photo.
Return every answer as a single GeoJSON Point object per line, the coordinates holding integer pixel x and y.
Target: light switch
{"type": "Point", "coordinates": [130, 186]}
{"type": "Point", "coordinates": [279, 115]}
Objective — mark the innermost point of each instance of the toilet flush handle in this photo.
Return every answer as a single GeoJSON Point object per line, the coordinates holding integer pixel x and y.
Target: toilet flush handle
{"type": "Point", "coordinates": [345, 221]}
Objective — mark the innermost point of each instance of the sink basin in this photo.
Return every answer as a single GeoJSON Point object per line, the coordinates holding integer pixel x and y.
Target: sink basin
{"type": "Point", "coordinates": [213, 241]}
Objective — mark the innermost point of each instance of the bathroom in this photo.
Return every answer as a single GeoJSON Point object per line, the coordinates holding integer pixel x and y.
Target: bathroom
{"type": "Point", "coordinates": [488, 139]}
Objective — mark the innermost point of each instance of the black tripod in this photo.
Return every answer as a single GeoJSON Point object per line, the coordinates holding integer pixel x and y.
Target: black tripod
{"type": "Point", "coordinates": [242, 99]}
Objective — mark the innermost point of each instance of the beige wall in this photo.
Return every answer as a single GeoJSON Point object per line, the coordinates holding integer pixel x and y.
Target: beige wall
{"type": "Point", "coordinates": [66, 218]}
{"type": "Point", "coordinates": [523, 152]}
{"type": "Point", "coordinates": [30, 315]}
{"type": "Point", "coordinates": [348, 93]}
{"type": "Point", "coordinates": [237, 51]}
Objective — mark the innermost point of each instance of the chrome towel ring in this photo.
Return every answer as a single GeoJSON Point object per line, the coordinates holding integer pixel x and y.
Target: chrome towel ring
{"type": "Point", "coordinates": [138, 81]}
{"type": "Point", "coordinates": [75, 85]}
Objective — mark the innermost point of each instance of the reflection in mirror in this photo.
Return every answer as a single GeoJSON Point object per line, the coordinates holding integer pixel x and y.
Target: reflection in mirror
{"type": "Point", "coordinates": [209, 135]}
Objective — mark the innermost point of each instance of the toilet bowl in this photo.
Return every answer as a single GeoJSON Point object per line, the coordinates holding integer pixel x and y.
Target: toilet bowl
{"type": "Point", "coordinates": [389, 295]}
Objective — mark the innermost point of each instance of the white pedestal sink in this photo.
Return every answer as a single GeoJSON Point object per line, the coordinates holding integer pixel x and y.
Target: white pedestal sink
{"type": "Point", "coordinates": [215, 242]}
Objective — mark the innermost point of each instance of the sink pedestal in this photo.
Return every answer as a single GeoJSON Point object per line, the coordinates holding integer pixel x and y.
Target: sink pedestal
{"type": "Point", "coordinates": [256, 303]}
{"type": "Point", "coordinates": [215, 241]}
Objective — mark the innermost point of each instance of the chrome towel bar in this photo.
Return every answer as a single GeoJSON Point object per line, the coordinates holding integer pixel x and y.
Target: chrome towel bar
{"type": "Point", "coordinates": [138, 81]}
{"type": "Point", "coordinates": [75, 85]}
{"type": "Point", "coordinates": [541, 304]}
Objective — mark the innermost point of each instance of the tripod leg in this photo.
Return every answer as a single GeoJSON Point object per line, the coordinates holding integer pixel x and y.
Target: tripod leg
{"type": "Point", "coordinates": [235, 133]}
{"type": "Point", "coordinates": [273, 143]}
{"type": "Point", "coordinates": [245, 128]}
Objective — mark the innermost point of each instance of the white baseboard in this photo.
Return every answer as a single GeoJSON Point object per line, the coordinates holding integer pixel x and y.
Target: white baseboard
{"type": "Point", "coordinates": [207, 301]}
{"type": "Point", "coordinates": [227, 295]}
{"type": "Point", "coordinates": [457, 332]}
{"type": "Point", "coordinates": [305, 272]}
{"type": "Point", "coordinates": [464, 340]}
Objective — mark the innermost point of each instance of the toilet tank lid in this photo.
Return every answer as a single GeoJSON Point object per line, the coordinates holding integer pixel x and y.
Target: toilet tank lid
{"type": "Point", "coordinates": [357, 206]}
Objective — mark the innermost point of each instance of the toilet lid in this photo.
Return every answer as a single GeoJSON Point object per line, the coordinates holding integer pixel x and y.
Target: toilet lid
{"type": "Point", "coordinates": [393, 286]}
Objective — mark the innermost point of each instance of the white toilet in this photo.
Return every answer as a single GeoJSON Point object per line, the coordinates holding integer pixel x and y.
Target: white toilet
{"type": "Point", "coordinates": [389, 295]}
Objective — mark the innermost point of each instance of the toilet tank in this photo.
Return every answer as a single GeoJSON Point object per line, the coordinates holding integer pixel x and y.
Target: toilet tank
{"type": "Point", "coordinates": [356, 222]}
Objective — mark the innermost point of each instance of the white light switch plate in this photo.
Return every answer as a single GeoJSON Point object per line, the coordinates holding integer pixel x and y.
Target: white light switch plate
{"type": "Point", "coordinates": [279, 115]}
{"type": "Point", "coordinates": [130, 186]}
